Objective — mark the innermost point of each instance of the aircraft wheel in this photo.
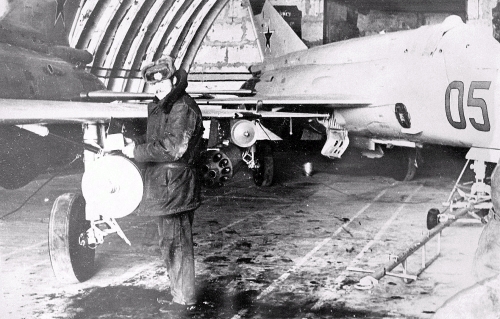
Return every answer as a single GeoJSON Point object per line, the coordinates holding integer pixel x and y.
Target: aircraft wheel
{"type": "Point", "coordinates": [71, 262]}
{"type": "Point", "coordinates": [432, 218]}
{"type": "Point", "coordinates": [263, 176]}
{"type": "Point", "coordinates": [410, 158]}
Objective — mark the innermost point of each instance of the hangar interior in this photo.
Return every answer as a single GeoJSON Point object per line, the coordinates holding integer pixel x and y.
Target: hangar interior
{"type": "Point", "coordinates": [217, 43]}
{"type": "Point", "coordinates": [295, 250]}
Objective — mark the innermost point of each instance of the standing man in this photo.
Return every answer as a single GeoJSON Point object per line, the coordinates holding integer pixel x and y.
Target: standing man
{"type": "Point", "coordinates": [171, 186]}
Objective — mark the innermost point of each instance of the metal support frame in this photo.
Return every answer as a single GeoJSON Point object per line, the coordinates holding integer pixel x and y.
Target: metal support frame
{"type": "Point", "coordinates": [92, 135]}
{"type": "Point", "coordinates": [479, 194]}
{"type": "Point", "coordinates": [94, 236]}
{"type": "Point", "coordinates": [248, 156]}
{"type": "Point", "coordinates": [368, 282]}
{"type": "Point", "coordinates": [425, 263]}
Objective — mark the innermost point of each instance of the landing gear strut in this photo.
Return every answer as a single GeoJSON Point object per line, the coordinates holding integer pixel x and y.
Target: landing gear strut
{"type": "Point", "coordinates": [480, 193]}
{"type": "Point", "coordinates": [219, 165]}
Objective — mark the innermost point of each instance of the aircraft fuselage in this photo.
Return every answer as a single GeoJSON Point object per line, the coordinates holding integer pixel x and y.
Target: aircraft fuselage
{"type": "Point", "coordinates": [28, 74]}
{"type": "Point", "coordinates": [444, 75]}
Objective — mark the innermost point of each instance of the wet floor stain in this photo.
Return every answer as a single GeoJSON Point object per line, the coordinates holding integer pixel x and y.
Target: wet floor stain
{"type": "Point", "coordinates": [214, 302]}
{"type": "Point", "coordinates": [116, 302]}
{"type": "Point", "coordinates": [215, 259]}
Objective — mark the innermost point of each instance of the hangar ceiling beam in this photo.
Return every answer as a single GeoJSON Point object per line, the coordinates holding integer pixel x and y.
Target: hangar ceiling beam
{"type": "Point", "coordinates": [145, 25]}
{"type": "Point", "coordinates": [136, 23]}
{"type": "Point", "coordinates": [201, 32]}
{"type": "Point", "coordinates": [153, 26]}
{"type": "Point", "coordinates": [95, 21]}
{"type": "Point", "coordinates": [84, 14]}
{"type": "Point", "coordinates": [116, 36]}
{"type": "Point", "coordinates": [124, 35]}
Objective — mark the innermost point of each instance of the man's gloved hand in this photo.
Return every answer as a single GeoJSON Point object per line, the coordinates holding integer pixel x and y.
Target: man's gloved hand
{"type": "Point", "coordinates": [128, 150]}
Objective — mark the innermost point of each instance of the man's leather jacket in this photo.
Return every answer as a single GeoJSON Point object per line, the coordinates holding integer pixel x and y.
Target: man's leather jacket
{"type": "Point", "coordinates": [170, 148]}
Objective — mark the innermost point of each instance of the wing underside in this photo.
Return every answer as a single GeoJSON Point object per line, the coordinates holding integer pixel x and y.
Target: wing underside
{"type": "Point", "coordinates": [333, 101]}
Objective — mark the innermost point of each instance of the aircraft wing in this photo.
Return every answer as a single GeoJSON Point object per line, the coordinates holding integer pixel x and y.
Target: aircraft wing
{"type": "Point", "coordinates": [242, 97]}
{"type": "Point", "coordinates": [17, 111]}
{"type": "Point", "coordinates": [333, 101]}
{"type": "Point", "coordinates": [109, 96]}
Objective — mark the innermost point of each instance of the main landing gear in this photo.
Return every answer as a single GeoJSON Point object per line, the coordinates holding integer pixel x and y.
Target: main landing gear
{"type": "Point", "coordinates": [399, 162]}
{"type": "Point", "coordinates": [263, 171]}
{"type": "Point", "coordinates": [408, 160]}
{"type": "Point", "coordinates": [111, 188]}
{"type": "Point", "coordinates": [234, 143]}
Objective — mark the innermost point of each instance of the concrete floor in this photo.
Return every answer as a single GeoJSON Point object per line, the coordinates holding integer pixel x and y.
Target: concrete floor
{"type": "Point", "coordinates": [276, 252]}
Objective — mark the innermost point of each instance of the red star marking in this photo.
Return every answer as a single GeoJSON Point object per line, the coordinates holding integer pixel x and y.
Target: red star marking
{"type": "Point", "coordinates": [268, 35]}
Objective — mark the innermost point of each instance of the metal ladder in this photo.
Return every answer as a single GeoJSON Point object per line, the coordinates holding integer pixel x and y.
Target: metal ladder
{"type": "Point", "coordinates": [370, 281]}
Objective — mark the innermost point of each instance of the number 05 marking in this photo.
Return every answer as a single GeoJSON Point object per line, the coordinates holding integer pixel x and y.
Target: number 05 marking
{"type": "Point", "coordinates": [471, 102]}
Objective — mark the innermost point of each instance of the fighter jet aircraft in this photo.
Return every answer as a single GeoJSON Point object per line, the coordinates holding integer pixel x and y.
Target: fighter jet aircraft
{"type": "Point", "coordinates": [433, 85]}
{"type": "Point", "coordinates": [400, 89]}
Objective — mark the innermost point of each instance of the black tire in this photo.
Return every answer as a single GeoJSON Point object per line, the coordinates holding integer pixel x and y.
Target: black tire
{"type": "Point", "coordinates": [432, 218]}
{"type": "Point", "coordinates": [264, 174]}
{"type": "Point", "coordinates": [409, 163]}
{"type": "Point", "coordinates": [71, 262]}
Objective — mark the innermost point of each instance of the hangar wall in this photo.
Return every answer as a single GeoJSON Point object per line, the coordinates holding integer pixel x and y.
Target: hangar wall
{"type": "Point", "coordinates": [227, 51]}
{"type": "Point", "coordinates": [230, 46]}
{"type": "Point", "coordinates": [312, 19]}
{"type": "Point", "coordinates": [231, 43]}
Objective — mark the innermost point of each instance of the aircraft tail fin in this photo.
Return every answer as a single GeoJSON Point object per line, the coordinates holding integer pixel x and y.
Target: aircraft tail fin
{"type": "Point", "coordinates": [37, 21]}
{"type": "Point", "coordinates": [275, 36]}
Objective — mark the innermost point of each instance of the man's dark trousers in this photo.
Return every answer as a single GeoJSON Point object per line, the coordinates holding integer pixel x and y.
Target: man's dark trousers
{"type": "Point", "coordinates": [176, 244]}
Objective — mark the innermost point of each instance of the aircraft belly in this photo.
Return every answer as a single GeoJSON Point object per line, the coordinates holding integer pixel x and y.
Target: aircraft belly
{"type": "Point", "coordinates": [25, 155]}
{"type": "Point", "coordinates": [381, 122]}
{"type": "Point", "coordinates": [371, 121]}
